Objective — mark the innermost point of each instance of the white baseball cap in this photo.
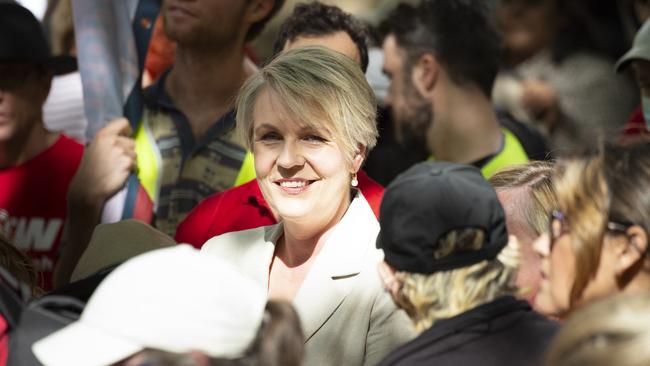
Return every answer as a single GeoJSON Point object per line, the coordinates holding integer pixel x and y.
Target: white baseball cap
{"type": "Point", "coordinates": [171, 299]}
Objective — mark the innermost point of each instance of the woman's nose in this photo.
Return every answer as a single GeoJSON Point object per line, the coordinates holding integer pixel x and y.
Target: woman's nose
{"type": "Point", "coordinates": [291, 155]}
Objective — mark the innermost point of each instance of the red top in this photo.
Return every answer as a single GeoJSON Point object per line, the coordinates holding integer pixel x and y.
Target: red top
{"type": "Point", "coordinates": [4, 341]}
{"type": "Point", "coordinates": [243, 208]}
{"type": "Point", "coordinates": [33, 204]}
{"type": "Point", "coordinates": [635, 128]}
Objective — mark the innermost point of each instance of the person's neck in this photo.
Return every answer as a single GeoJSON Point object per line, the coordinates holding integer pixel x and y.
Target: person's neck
{"type": "Point", "coordinates": [26, 145]}
{"type": "Point", "coordinates": [465, 127]}
{"type": "Point", "coordinates": [640, 283]}
{"type": "Point", "coordinates": [203, 83]}
{"type": "Point", "coordinates": [303, 239]}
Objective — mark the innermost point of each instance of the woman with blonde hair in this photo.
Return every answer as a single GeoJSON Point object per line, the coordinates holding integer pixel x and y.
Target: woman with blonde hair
{"type": "Point", "coordinates": [309, 119]}
{"type": "Point", "coordinates": [597, 243]}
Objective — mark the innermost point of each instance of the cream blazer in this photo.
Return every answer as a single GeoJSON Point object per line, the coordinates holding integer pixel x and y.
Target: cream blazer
{"type": "Point", "coordinates": [346, 316]}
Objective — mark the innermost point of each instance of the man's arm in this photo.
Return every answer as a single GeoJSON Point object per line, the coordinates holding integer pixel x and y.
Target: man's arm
{"type": "Point", "coordinates": [104, 168]}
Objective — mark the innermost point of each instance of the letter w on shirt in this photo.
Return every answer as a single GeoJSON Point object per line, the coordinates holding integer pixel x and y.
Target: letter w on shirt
{"type": "Point", "coordinates": [36, 233]}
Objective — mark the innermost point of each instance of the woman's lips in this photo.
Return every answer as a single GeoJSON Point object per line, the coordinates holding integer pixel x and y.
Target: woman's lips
{"type": "Point", "coordinates": [294, 186]}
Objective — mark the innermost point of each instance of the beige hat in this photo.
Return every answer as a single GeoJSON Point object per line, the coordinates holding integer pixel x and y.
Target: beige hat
{"type": "Point", "coordinates": [640, 48]}
{"type": "Point", "coordinates": [114, 243]}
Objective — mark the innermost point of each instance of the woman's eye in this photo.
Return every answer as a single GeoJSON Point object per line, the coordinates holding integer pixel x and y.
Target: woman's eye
{"type": "Point", "coordinates": [314, 138]}
{"type": "Point", "coordinates": [270, 136]}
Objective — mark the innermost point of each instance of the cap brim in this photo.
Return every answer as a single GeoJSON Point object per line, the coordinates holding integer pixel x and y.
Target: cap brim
{"type": "Point", "coordinates": [636, 53]}
{"type": "Point", "coordinates": [62, 65]}
{"type": "Point", "coordinates": [80, 344]}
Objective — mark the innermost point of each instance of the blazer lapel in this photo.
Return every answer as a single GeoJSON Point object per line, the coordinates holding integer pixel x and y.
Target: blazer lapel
{"type": "Point", "coordinates": [333, 273]}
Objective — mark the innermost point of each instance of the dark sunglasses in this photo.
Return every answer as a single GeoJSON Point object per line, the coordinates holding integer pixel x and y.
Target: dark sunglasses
{"type": "Point", "coordinates": [558, 226]}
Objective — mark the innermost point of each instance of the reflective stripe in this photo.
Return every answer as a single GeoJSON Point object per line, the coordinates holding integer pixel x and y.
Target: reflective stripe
{"type": "Point", "coordinates": [512, 153]}
{"type": "Point", "coordinates": [149, 161]}
{"type": "Point", "coordinates": [247, 171]}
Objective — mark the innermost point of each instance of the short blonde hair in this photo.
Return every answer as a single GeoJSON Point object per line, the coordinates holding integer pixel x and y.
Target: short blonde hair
{"type": "Point", "coordinates": [320, 89]}
{"type": "Point", "coordinates": [428, 298]}
{"type": "Point", "coordinates": [535, 177]}
{"type": "Point", "coordinates": [614, 331]}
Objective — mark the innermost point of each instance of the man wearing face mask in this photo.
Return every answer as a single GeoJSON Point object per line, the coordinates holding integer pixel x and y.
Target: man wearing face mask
{"type": "Point", "coordinates": [638, 57]}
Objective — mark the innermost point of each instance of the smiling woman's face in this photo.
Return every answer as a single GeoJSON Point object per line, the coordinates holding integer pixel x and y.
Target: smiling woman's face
{"type": "Point", "coordinates": [302, 172]}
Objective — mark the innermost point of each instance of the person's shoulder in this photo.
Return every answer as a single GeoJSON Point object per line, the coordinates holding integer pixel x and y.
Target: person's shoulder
{"type": "Point", "coordinates": [69, 144]}
{"type": "Point", "coordinates": [235, 242]}
{"type": "Point", "coordinates": [65, 152]}
{"type": "Point", "coordinates": [541, 323]}
{"type": "Point", "coordinates": [246, 249]}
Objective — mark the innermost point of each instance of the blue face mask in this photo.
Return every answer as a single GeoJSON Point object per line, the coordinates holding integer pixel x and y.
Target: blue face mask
{"type": "Point", "coordinates": [645, 105]}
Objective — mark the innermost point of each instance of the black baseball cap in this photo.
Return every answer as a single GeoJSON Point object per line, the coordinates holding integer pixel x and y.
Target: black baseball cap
{"type": "Point", "coordinates": [22, 39]}
{"type": "Point", "coordinates": [425, 203]}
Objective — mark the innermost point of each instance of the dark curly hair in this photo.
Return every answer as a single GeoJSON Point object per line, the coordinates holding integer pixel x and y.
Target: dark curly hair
{"type": "Point", "coordinates": [317, 19]}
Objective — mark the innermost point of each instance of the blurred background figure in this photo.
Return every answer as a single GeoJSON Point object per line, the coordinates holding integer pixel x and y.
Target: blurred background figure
{"type": "Point", "coordinates": [526, 194]}
{"type": "Point", "coordinates": [449, 264]}
{"type": "Point", "coordinates": [638, 59]}
{"type": "Point", "coordinates": [204, 313]}
{"type": "Point", "coordinates": [597, 244]}
{"type": "Point", "coordinates": [614, 331]}
{"type": "Point", "coordinates": [558, 69]}
{"type": "Point", "coordinates": [64, 108]}
{"type": "Point", "coordinates": [441, 75]}
{"type": "Point", "coordinates": [36, 165]}
{"type": "Point", "coordinates": [633, 14]}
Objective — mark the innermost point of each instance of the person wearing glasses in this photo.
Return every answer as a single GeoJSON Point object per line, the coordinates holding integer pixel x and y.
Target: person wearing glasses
{"type": "Point", "coordinates": [597, 244]}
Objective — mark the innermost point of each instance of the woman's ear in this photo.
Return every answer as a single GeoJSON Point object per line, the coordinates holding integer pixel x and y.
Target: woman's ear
{"type": "Point", "coordinates": [359, 157]}
{"type": "Point", "coordinates": [425, 74]}
{"type": "Point", "coordinates": [634, 249]}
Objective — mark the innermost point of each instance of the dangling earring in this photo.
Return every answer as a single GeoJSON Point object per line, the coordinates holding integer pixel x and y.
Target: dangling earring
{"type": "Point", "coordinates": [354, 182]}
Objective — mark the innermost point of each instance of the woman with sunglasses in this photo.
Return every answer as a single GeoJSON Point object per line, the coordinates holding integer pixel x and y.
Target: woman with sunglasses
{"type": "Point", "coordinates": [597, 242]}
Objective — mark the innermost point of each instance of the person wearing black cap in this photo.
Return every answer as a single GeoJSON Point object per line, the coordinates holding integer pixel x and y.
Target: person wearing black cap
{"type": "Point", "coordinates": [450, 264]}
{"type": "Point", "coordinates": [36, 165]}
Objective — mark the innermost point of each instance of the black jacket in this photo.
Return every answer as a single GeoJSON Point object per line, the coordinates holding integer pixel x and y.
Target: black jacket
{"type": "Point", "coordinates": [503, 332]}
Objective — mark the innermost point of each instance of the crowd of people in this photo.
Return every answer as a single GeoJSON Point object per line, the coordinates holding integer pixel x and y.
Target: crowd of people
{"type": "Point", "coordinates": [230, 218]}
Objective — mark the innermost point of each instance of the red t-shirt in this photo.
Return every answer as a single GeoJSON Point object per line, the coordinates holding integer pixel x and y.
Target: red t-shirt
{"type": "Point", "coordinates": [4, 341]}
{"type": "Point", "coordinates": [243, 208]}
{"type": "Point", "coordinates": [33, 203]}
